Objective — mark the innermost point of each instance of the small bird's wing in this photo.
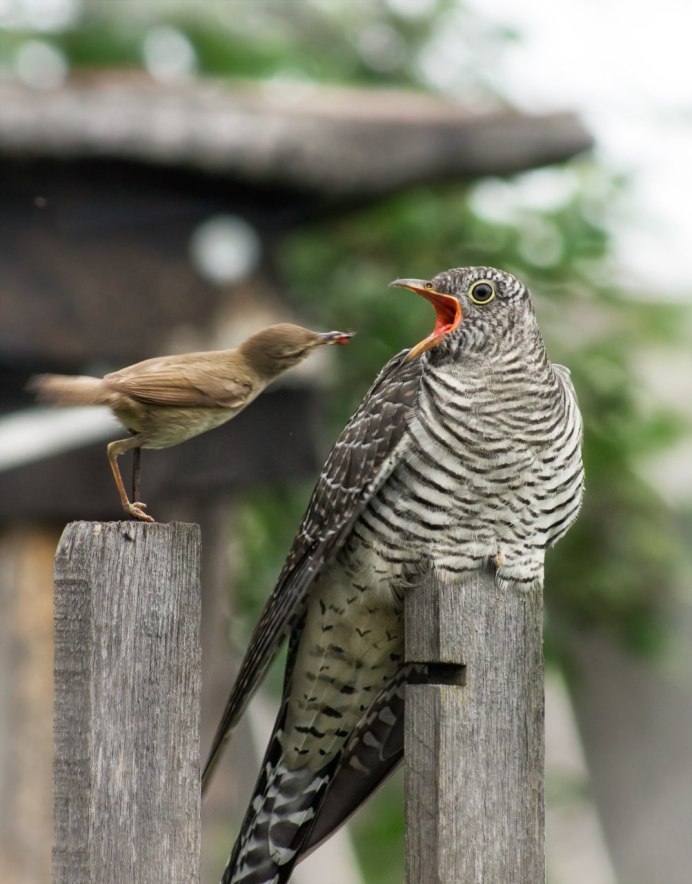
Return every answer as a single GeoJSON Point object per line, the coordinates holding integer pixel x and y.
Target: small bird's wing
{"type": "Point", "coordinates": [203, 380]}
{"type": "Point", "coordinates": [359, 462]}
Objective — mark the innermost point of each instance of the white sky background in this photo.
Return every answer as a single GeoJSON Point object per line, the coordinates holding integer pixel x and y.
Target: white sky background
{"type": "Point", "coordinates": [626, 67]}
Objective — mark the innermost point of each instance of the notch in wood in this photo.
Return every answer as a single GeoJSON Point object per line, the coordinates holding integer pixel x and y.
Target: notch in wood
{"type": "Point", "coordinates": [438, 673]}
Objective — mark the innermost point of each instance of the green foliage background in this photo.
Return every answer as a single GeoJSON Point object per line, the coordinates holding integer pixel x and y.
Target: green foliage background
{"type": "Point", "coordinates": [627, 549]}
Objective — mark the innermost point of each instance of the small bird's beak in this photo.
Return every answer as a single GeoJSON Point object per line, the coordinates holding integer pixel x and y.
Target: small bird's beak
{"type": "Point", "coordinates": [447, 312]}
{"type": "Point", "coordinates": [335, 337]}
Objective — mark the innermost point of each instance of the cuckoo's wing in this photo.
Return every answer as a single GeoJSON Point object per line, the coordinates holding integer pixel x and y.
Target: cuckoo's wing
{"type": "Point", "coordinates": [362, 458]}
{"type": "Point", "coordinates": [206, 382]}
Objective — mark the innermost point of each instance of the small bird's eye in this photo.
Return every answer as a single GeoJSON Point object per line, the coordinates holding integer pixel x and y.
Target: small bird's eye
{"type": "Point", "coordinates": [482, 292]}
{"type": "Point", "coordinates": [428, 285]}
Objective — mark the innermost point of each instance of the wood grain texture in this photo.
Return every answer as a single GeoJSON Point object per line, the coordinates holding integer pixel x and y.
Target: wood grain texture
{"type": "Point", "coordinates": [127, 689]}
{"type": "Point", "coordinates": [474, 753]}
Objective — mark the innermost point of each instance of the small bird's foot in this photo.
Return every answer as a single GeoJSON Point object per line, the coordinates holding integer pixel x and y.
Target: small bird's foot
{"type": "Point", "coordinates": [136, 511]}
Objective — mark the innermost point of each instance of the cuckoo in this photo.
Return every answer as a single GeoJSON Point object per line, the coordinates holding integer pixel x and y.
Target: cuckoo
{"type": "Point", "coordinates": [465, 454]}
{"type": "Point", "coordinates": [165, 400]}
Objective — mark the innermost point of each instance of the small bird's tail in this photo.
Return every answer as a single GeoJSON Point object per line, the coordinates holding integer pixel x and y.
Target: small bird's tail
{"type": "Point", "coordinates": [61, 389]}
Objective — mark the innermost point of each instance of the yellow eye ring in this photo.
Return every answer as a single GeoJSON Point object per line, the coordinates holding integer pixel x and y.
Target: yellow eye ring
{"type": "Point", "coordinates": [482, 292]}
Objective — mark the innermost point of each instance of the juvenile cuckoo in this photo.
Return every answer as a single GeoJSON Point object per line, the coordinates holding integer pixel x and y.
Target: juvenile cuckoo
{"type": "Point", "coordinates": [464, 454]}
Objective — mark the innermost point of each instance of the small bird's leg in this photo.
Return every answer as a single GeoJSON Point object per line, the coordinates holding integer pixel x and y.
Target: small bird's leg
{"type": "Point", "coordinates": [136, 462]}
{"type": "Point", "coordinates": [115, 449]}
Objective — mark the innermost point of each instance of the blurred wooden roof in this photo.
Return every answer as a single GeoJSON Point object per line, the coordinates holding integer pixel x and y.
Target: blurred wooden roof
{"type": "Point", "coordinates": [338, 142]}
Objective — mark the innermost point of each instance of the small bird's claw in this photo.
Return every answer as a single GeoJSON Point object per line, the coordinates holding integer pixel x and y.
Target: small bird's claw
{"type": "Point", "coordinates": [136, 511]}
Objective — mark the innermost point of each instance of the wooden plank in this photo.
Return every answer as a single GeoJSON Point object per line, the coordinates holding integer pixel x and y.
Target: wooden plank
{"type": "Point", "coordinates": [127, 692]}
{"type": "Point", "coordinates": [474, 751]}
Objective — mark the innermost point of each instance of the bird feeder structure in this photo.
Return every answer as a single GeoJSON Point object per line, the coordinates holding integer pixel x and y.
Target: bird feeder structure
{"type": "Point", "coordinates": [138, 219]}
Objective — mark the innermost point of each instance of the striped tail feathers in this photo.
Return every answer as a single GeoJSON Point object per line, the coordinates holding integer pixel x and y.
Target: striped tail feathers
{"type": "Point", "coordinates": [372, 754]}
{"type": "Point", "coordinates": [277, 821]}
{"type": "Point", "coordinates": [294, 811]}
{"type": "Point", "coordinates": [60, 389]}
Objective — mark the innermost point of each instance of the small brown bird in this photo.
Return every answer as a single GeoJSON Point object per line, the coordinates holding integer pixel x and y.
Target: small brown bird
{"type": "Point", "coordinates": [168, 399]}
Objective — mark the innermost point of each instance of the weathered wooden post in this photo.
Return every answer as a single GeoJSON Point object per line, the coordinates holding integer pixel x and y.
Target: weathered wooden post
{"type": "Point", "coordinates": [127, 689]}
{"type": "Point", "coordinates": [474, 749]}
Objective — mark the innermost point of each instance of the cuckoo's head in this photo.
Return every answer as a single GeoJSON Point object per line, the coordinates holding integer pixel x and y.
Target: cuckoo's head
{"type": "Point", "coordinates": [477, 309]}
{"type": "Point", "coordinates": [277, 348]}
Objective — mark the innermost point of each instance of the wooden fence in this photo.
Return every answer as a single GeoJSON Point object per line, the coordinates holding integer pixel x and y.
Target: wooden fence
{"type": "Point", "coordinates": [127, 671]}
{"type": "Point", "coordinates": [474, 750]}
{"type": "Point", "coordinates": [127, 700]}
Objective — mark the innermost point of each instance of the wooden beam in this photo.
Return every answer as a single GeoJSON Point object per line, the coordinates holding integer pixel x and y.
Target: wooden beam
{"type": "Point", "coordinates": [338, 143]}
{"type": "Point", "coordinates": [474, 749]}
{"type": "Point", "coordinates": [127, 689]}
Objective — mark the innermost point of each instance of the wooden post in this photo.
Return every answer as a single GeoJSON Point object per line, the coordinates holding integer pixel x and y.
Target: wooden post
{"type": "Point", "coordinates": [127, 689]}
{"type": "Point", "coordinates": [474, 750]}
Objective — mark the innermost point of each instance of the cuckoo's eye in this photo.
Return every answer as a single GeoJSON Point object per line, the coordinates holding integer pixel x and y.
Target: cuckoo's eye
{"type": "Point", "coordinates": [482, 292]}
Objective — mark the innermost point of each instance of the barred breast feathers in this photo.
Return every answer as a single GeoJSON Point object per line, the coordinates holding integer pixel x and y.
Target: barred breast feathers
{"type": "Point", "coordinates": [492, 472]}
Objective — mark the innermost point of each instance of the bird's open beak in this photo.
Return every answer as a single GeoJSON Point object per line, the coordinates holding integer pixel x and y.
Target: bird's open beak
{"type": "Point", "coordinates": [335, 337]}
{"type": "Point", "coordinates": [447, 312]}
